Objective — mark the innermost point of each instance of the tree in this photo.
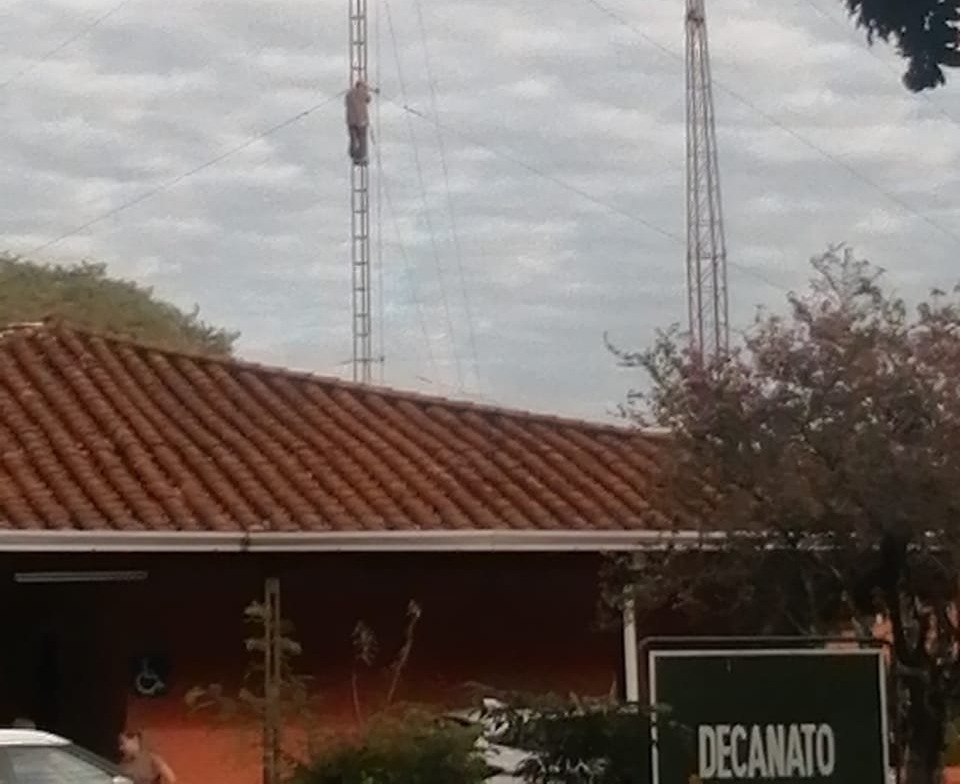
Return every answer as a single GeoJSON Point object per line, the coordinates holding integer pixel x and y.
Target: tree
{"type": "Point", "coordinates": [575, 740]}
{"type": "Point", "coordinates": [273, 692]}
{"type": "Point", "coordinates": [826, 451]}
{"type": "Point", "coordinates": [407, 747]}
{"type": "Point", "coordinates": [84, 296]}
{"type": "Point", "coordinates": [924, 31]}
{"type": "Point", "coordinates": [366, 649]}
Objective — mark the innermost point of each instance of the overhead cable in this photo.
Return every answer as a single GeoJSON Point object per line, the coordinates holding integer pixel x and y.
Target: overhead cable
{"type": "Point", "coordinates": [451, 213]}
{"type": "Point", "coordinates": [408, 269]}
{"type": "Point", "coordinates": [174, 181]}
{"type": "Point", "coordinates": [84, 31]}
{"type": "Point", "coordinates": [853, 171]}
{"type": "Point", "coordinates": [606, 205]}
{"type": "Point", "coordinates": [441, 276]}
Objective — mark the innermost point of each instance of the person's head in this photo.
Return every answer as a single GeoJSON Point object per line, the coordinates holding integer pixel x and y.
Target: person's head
{"type": "Point", "coordinates": [361, 85]}
{"type": "Point", "coordinates": [131, 743]}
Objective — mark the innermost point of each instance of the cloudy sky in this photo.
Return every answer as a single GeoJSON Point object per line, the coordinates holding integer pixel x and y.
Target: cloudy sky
{"type": "Point", "coordinates": [558, 215]}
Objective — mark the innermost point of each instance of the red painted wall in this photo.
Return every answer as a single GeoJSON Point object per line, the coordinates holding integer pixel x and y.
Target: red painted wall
{"type": "Point", "coordinates": [512, 621]}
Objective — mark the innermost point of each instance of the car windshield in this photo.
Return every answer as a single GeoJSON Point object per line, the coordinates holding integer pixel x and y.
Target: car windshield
{"type": "Point", "coordinates": [94, 759]}
{"type": "Point", "coordinates": [54, 765]}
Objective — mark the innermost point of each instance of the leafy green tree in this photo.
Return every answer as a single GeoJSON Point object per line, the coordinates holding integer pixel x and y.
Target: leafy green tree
{"type": "Point", "coordinates": [85, 296]}
{"type": "Point", "coordinates": [925, 33]}
{"type": "Point", "coordinates": [827, 450]}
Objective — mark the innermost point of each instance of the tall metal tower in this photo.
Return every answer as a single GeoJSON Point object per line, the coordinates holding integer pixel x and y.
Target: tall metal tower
{"type": "Point", "coordinates": [707, 301]}
{"type": "Point", "coordinates": [360, 214]}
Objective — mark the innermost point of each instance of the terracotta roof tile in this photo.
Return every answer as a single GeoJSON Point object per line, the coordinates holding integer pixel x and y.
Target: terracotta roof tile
{"type": "Point", "coordinates": [97, 432]}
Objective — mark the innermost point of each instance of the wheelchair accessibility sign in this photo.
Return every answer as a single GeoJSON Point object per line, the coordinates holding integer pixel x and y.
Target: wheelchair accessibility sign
{"type": "Point", "coordinates": [150, 676]}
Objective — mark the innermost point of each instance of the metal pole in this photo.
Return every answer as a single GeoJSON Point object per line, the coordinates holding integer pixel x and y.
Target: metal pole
{"type": "Point", "coordinates": [272, 660]}
{"type": "Point", "coordinates": [707, 295]}
{"type": "Point", "coordinates": [362, 320]}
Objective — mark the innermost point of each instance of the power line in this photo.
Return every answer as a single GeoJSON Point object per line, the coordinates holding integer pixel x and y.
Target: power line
{"type": "Point", "coordinates": [544, 175]}
{"type": "Point", "coordinates": [606, 205]}
{"type": "Point", "coordinates": [899, 201]}
{"type": "Point", "coordinates": [86, 30]}
{"type": "Point", "coordinates": [435, 107]}
{"type": "Point", "coordinates": [754, 273]}
{"type": "Point", "coordinates": [476, 397]}
{"type": "Point", "coordinates": [408, 268]}
{"type": "Point", "coordinates": [861, 41]}
{"type": "Point", "coordinates": [423, 199]}
{"type": "Point", "coordinates": [606, 10]}
{"type": "Point", "coordinates": [166, 185]}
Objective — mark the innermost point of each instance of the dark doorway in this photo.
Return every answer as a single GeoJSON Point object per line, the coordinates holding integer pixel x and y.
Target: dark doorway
{"type": "Point", "coordinates": [65, 669]}
{"type": "Point", "coordinates": [44, 690]}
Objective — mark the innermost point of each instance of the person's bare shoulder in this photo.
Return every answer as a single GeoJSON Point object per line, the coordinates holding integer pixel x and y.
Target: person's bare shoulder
{"type": "Point", "coordinates": [166, 772]}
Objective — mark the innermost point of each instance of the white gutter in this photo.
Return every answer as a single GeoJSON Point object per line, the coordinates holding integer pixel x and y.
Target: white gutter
{"type": "Point", "coordinates": [20, 541]}
{"type": "Point", "coordinates": [620, 541]}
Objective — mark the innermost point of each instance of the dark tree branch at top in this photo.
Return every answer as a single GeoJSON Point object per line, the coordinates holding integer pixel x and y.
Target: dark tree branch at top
{"type": "Point", "coordinates": [925, 33]}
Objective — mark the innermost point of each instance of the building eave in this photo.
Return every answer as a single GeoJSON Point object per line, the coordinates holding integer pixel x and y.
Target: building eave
{"type": "Point", "coordinates": [24, 541]}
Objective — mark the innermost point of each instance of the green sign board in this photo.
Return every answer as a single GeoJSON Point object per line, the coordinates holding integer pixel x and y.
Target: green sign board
{"type": "Point", "coordinates": [768, 715]}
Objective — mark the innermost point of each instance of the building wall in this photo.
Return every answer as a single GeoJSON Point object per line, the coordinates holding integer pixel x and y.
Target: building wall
{"type": "Point", "coordinates": [510, 621]}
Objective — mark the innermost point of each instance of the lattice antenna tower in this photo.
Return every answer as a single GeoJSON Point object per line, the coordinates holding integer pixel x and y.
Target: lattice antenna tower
{"type": "Point", "coordinates": [361, 280]}
{"type": "Point", "coordinates": [707, 298]}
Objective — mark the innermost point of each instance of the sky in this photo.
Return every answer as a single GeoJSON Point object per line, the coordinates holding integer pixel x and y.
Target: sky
{"type": "Point", "coordinates": [530, 204]}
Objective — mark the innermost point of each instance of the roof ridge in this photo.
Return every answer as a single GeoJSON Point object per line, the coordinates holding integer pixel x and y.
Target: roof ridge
{"type": "Point", "coordinates": [57, 325]}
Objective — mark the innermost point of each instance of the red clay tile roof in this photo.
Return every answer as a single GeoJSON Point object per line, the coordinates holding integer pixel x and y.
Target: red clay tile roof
{"type": "Point", "coordinates": [98, 433]}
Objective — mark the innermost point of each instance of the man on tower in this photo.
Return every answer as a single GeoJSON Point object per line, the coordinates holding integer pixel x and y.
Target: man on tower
{"type": "Point", "coordinates": [358, 120]}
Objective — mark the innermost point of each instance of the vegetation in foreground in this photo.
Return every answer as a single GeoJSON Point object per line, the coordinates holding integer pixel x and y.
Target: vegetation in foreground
{"type": "Point", "coordinates": [400, 747]}
{"type": "Point", "coordinates": [832, 438]}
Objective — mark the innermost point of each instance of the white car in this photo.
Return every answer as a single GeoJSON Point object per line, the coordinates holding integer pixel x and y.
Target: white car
{"type": "Point", "coordinates": [509, 762]}
{"type": "Point", "coordinates": [505, 760]}
{"type": "Point", "coordinates": [33, 757]}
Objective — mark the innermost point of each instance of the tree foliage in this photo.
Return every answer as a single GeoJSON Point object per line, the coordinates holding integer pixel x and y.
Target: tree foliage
{"type": "Point", "coordinates": [828, 450]}
{"type": "Point", "coordinates": [580, 740]}
{"type": "Point", "coordinates": [85, 296]}
{"type": "Point", "coordinates": [925, 33]}
{"type": "Point", "coordinates": [366, 651]}
{"type": "Point", "coordinates": [400, 747]}
{"type": "Point", "coordinates": [290, 702]}
{"type": "Point", "coordinates": [391, 735]}
{"type": "Point", "coordinates": [574, 740]}
{"type": "Point", "coordinates": [394, 743]}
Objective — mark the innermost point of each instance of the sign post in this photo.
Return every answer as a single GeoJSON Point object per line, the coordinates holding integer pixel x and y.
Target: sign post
{"type": "Point", "coordinates": [783, 715]}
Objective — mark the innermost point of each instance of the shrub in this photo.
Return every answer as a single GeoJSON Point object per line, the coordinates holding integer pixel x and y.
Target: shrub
{"type": "Point", "coordinates": [578, 742]}
{"type": "Point", "coordinates": [582, 741]}
{"type": "Point", "coordinates": [951, 753]}
{"type": "Point", "coordinates": [406, 747]}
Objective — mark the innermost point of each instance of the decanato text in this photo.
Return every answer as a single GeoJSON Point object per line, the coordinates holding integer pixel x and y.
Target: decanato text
{"type": "Point", "coordinates": [766, 751]}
